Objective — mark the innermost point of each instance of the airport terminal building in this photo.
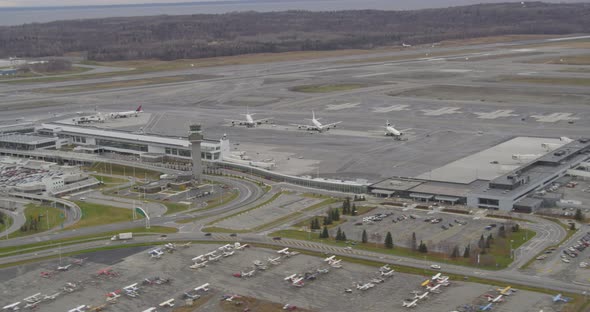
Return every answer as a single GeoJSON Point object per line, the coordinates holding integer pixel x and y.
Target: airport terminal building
{"type": "Point", "coordinates": [147, 146]}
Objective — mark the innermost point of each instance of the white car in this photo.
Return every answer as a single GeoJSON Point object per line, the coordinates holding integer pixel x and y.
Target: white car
{"type": "Point", "coordinates": [565, 260]}
{"type": "Point", "coordinates": [435, 266]}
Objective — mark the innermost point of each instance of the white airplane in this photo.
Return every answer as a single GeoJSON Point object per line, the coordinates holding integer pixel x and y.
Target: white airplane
{"type": "Point", "coordinates": [64, 268]}
{"type": "Point", "coordinates": [290, 277]}
{"type": "Point", "coordinates": [227, 247]}
{"type": "Point", "coordinates": [377, 280]}
{"type": "Point", "coordinates": [32, 305]}
{"type": "Point", "coordinates": [317, 125]}
{"type": "Point", "coordinates": [204, 287]}
{"type": "Point", "coordinates": [168, 303]}
{"type": "Point", "coordinates": [387, 273]}
{"type": "Point", "coordinates": [249, 122]}
{"type": "Point", "coordinates": [283, 251]}
{"type": "Point", "coordinates": [237, 246]}
{"type": "Point", "coordinates": [156, 253]}
{"type": "Point", "coordinates": [127, 114]}
{"type": "Point", "coordinates": [152, 309]}
{"type": "Point", "coordinates": [198, 258]}
{"type": "Point", "coordinates": [365, 286]}
{"type": "Point", "coordinates": [170, 246]}
{"type": "Point", "coordinates": [274, 261]}
{"type": "Point", "coordinates": [434, 288]}
{"type": "Point", "coordinates": [12, 307]}
{"type": "Point", "coordinates": [422, 296]}
{"type": "Point", "coordinates": [248, 274]}
{"type": "Point", "coordinates": [330, 259]}
{"type": "Point", "coordinates": [435, 277]}
{"type": "Point", "coordinates": [323, 271]}
{"type": "Point", "coordinates": [291, 253]}
{"type": "Point", "coordinates": [199, 265]}
{"type": "Point", "coordinates": [228, 253]}
{"type": "Point", "coordinates": [385, 268]}
{"type": "Point", "coordinates": [258, 263]}
{"type": "Point", "coordinates": [336, 264]}
{"type": "Point", "coordinates": [132, 287]}
{"type": "Point", "coordinates": [51, 297]}
{"type": "Point", "coordinates": [214, 258]}
{"type": "Point", "coordinates": [406, 45]}
{"type": "Point", "coordinates": [410, 304]}
{"type": "Point", "coordinates": [298, 282]}
{"type": "Point", "coordinates": [497, 299]}
{"type": "Point", "coordinates": [34, 298]}
{"type": "Point", "coordinates": [186, 245]}
{"type": "Point", "coordinates": [79, 261]}
{"type": "Point", "coordinates": [81, 308]}
{"type": "Point", "coordinates": [392, 132]}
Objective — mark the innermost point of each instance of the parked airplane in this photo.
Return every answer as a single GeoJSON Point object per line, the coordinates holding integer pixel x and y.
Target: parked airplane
{"type": "Point", "coordinates": [249, 122]}
{"type": "Point", "coordinates": [426, 282]}
{"type": "Point", "coordinates": [204, 287]}
{"type": "Point", "coordinates": [186, 245]}
{"type": "Point", "coordinates": [237, 246]}
{"type": "Point", "coordinates": [64, 268]}
{"type": "Point", "coordinates": [497, 299]}
{"type": "Point", "coordinates": [198, 258]}
{"type": "Point", "coordinates": [12, 307]}
{"type": "Point", "coordinates": [317, 125]}
{"type": "Point", "coordinates": [152, 309]}
{"type": "Point", "coordinates": [230, 298]}
{"type": "Point", "coordinates": [433, 288]}
{"type": "Point", "coordinates": [406, 45]}
{"type": "Point", "coordinates": [79, 261]}
{"type": "Point", "coordinates": [290, 277]}
{"type": "Point", "coordinates": [422, 296]}
{"type": "Point", "coordinates": [32, 305]}
{"type": "Point", "coordinates": [228, 253]}
{"type": "Point", "coordinates": [391, 131]}
{"type": "Point", "coordinates": [249, 273]}
{"type": "Point", "coordinates": [46, 274]}
{"type": "Point", "coordinates": [214, 258]}
{"type": "Point", "coordinates": [283, 251]}
{"type": "Point", "coordinates": [199, 265]}
{"type": "Point", "coordinates": [168, 303]}
{"type": "Point", "coordinates": [51, 297]}
{"type": "Point", "coordinates": [435, 277]}
{"type": "Point", "coordinates": [365, 286]}
{"type": "Point", "coordinates": [227, 247]}
{"type": "Point", "coordinates": [298, 282]}
{"type": "Point", "coordinates": [330, 259]}
{"type": "Point", "coordinates": [156, 253]}
{"type": "Point", "coordinates": [385, 268]}
{"type": "Point", "coordinates": [410, 304]}
{"type": "Point", "coordinates": [170, 246]}
{"type": "Point", "coordinates": [34, 298]}
{"type": "Point", "coordinates": [486, 307]}
{"type": "Point", "coordinates": [323, 271]}
{"type": "Point", "coordinates": [106, 272]}
{"type": "Point", "coordinates": [387, 273]}
{"type": "Point", "coordinates": [505, 291]}
{"type": "Point", "coordinates": [274, 261]}
{"type": "Point", "coordinates": [560, 298]}
{"type": "Point", "coordinates": [336, 264]}
{"type": "Point", "coordinates": [127, 114]}
{"type": "Point", "coordinates": [81, 308]}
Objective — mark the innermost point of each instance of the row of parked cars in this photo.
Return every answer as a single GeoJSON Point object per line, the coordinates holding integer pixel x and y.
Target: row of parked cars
{"type": "Point", "coordinates": [574, 251]}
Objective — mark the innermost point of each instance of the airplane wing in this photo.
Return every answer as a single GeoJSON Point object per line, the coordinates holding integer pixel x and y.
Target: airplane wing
{"type": "Point", "coordinates": [331, 125]}
{"type": "Point", "coordinates": [234, 121]}
{"type": "Point", "coordinates": [260, 121]}
{"type": "Point", "coordinates": [304, 127]}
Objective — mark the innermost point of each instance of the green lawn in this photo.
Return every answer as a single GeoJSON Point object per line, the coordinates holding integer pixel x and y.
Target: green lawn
{"type": "Point", "coordinates": [95, 214]}
{"type": "Point", "coordinates": [6, 221]}
{"type": "Point", "coordinates": [125, 171]}
{"type": "Point", "coordinates": [500, 254]}
{"type": "Point", "coordinates": [110, 181]}
{"type": "Point", "coordinates": [174, 207]}
{"type": "Point", "coordinates": [328, 88]}
{"type": "Point", "coordinates": [45, 218]}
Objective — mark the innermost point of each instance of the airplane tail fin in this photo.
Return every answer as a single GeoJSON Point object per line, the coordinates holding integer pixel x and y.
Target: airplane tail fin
{"type": "Point", "coordinates": [139, 109]}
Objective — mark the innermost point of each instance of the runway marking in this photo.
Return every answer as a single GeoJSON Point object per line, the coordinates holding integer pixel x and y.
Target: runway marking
{"type": "Point", "coordinates": [451, 70]}
{"type": "Point", "coordinates": [397, 108]}
{"type": "Point", "coordinates": [371, 75]}
{"type": "Point", "coordinates": [496, 114]}
{"type": "Point", "coordinates": [442, 111]}
{"type": "Point", "coordinates": [555, 117]}
{"type": "Point", "coordinates": [334, 107]}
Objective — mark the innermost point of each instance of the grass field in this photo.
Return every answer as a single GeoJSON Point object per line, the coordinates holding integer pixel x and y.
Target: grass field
{"type": "Point", "coordinates": [213, 203]}
{"type": "Point", "coordinates": [328, 88]}
{"type": "Point", "coordinates": [122, 84]}
{"type": "Point", "coordinates": [343, 218]}
{"type": "Point", "coordinates": [110, 181]}
{"type": "Point", "coordinates": [403, 57]}
{"type": "Point", "coordinates": [73, 70]}
{"type": "Point", "coordinates": [174, 207]}
{"type": "Point", "coordinates": [47, 219]}
{"type": "Point", "coordinates": [95, 214]}
{"type": "Point", "coordinates": [124, 171]}
{"type": "Point", "coordinates": [6, 221]}
{"type": "Point", "coordinates": [499, 252]}
{"type": "Point", "coordinates": [549, 80]}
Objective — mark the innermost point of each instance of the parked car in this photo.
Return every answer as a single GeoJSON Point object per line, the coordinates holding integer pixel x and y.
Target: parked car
{"type": "Point", "coordinates": [435, 266]}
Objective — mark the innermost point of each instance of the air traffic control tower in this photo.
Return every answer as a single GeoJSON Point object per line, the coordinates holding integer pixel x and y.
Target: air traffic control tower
{"type": "Point", "coordinates": [195, 136]}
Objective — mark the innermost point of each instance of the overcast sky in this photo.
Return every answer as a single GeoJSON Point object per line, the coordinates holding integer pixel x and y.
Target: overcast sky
{"type": "Point", "coordinates": [29, 3]}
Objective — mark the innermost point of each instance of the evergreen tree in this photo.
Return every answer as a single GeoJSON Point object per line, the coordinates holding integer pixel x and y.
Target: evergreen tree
{"type": "Point", "coordinates": [388, 240]}
{"type": "Point", "coordinates": [336, 216]}
{"type": "Point", "coordinates": [353, 211]}
{"type": "Point", "coordinates": [481, 244]}
{"type": "Point", "coordinates": [328, 219]}
{"type": "Point", "coordinates": [572, 226]}
{"type": "Point", "coordinates": [364, 238]}
{"type": "Point", "coordinates": [325, 233]}
{"type": "Point", "coordinates": [343, 236]}
{"type": "Point", "coordinates": [579, 215]}
{"type": "Point", "coordinates": [516, 228]}
{"type": "Point", "coordinates": [488, 242]}
{"type": "Point", "coordinates": [339, 234]}
{"type": "Point", "coordinates": [467, 251]}
{"type": "Point", "coordinates": [455, 252]}
{"type": "Point", "coordinates": [422, 248]}
{"type": "Point", "coordinates": [413, 243]}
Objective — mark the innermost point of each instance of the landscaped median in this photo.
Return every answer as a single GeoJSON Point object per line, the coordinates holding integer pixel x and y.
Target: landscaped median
{"type": "Point", "coordinates": [138, 231]}
{"type": "Point", "coordinates": [498, 254]}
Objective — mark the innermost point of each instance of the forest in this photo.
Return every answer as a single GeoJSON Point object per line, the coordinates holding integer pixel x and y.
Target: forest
{"type": "Point", "coordinates": [208, 35]}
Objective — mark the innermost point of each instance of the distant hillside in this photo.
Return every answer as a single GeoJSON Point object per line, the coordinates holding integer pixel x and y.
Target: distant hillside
{"type": "Point", "coordinates": [196, 36]}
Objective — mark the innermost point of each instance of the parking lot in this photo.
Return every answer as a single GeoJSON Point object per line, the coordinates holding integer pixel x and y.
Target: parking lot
{"type": "Point", "coordinates": [325, 293]}
{"type": "Point", "coordinates": [439, 231]}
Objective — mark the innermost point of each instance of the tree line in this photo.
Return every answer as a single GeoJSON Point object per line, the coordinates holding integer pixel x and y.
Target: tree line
{"type": "Point", "coordinates": [209, 35]}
